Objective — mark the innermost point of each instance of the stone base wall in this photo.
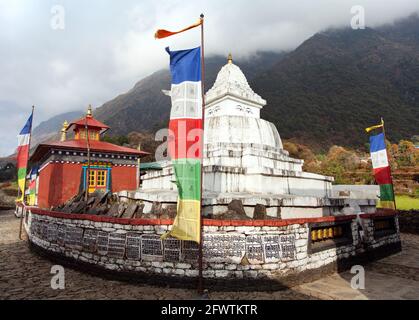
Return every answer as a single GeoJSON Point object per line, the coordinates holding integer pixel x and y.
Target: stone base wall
{"type": "Point", "coordinates": [253, 249]}
{"type": "Point", "coordinates": [224, 179]}
{"type": "Point", "coordinates": [374, 238]}
{"type": "Point", "coordinates": [409, 221]}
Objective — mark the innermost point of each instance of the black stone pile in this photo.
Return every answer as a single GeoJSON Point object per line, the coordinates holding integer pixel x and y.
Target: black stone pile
{"type": "Point", "coordinates": [107, 204]}
{"type": "Point", "coordinates": [236, 211]}
{"type": "Point", "coordinates": [99, 203]}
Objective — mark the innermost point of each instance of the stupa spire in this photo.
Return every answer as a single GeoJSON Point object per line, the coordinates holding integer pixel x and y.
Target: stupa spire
{"type": "Point", "coordinates": [230, 58]}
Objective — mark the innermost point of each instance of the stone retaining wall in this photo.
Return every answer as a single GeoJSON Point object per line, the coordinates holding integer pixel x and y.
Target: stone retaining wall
{"type": "Point", "coordinates": [373, 238]}
{"type": "Point", "coordinates": [409, 221]}
{"type": "Point", "coordinates": [252, 249]}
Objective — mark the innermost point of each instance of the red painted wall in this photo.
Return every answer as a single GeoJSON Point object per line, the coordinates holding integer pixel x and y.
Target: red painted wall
{"type": "Point", "coordinates": [124, 178]}
{"type": "Point", "coordinates": [59, 182]}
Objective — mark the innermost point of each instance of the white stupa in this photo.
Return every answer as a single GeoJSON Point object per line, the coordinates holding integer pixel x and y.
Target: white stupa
{"type": "Point", "coordinates": [244, 159]}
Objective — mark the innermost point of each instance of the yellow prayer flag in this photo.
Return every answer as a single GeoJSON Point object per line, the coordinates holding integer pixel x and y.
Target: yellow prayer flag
{"type": "Point", "coordinates": [378, 126]}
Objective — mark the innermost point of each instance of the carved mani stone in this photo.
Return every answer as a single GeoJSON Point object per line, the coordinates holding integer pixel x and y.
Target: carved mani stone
{"type": "Point", "coordinates": [237, 206]}
{"type": "Point", "coordinates": [80, 208]}
{"type": "Point", "coordinates": [140, 210]}
{"type": "Point", "coordinates": [121, 210]}
{"type": "Point", "coordinates": [91, 201]}
{"type": "Point", "coordinates": [169, 212]}
{"type": "Point", "coordinates": [130, 212]}
{"type": "Point", "coordinates": [232, 215]}
{"type": "Point", "coordinates": [260, 212]}
{"type": "Point", "coordinates": [113, 211]}
{"type": "Point", "coordinates": [156, 208]}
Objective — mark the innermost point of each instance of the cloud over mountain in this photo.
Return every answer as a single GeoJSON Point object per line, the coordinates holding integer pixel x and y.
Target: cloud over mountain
{"type": "Point", "coordinates": [107, 46]}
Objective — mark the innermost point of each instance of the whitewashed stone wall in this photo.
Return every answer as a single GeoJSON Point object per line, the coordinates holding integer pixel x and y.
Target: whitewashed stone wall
{"type": "Point", "coordinates": [373, 243]}
{"type": "Point", "coordinates": [229, 251]}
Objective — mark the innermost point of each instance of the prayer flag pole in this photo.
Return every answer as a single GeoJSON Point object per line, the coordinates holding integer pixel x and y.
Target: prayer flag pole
{"type": "Point", "coordinates": [200, 257]}
{"type": "Point", "coordinates": [189, 203]}
{"type": "Point", "coordinates": [87, 184]}
{"type": "Point", "coordinates": [24, 183]}
{"type": "Point", "coordinates": [391, 174]}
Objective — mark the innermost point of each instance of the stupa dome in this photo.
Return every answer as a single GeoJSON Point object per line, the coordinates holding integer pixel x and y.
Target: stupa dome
{"type": "Point", "coordinates": [233, 112]}
{"type": "Point", "coordinates": [241, 130]}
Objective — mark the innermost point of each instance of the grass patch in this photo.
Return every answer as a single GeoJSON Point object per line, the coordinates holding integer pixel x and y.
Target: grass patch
{"type": "Point", "coordinates": [407, 203]}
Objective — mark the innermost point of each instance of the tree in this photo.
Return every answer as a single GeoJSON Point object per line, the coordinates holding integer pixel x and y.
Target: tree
{"type": "Point", "coordinates": [407, 154]}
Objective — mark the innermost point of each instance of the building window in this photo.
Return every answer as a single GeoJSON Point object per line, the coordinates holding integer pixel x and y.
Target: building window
{"type": "Point", "coordinates": [92, 178]}
{"type": "Point", "coordinates": [82, 134]}
{"type": "Point", "coordinates": [101, 178]}
{"type": "Point", "coordinates": [97, 179]}
{"type": "Point", "coordinates": [93, 134]}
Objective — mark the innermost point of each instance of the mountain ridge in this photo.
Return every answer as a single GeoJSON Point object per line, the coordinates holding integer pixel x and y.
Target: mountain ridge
{"type": "Point", "coordinates": [324, 92]}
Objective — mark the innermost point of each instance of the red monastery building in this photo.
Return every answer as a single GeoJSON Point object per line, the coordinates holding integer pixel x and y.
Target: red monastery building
{"type": "Point", "coordinates": [63, 165]}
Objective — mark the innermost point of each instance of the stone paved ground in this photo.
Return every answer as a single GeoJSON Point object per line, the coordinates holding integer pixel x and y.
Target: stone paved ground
{"type": "Point", "coordinates": [24, 275]}
{"type": "Point", "coordinates": [394, 278]}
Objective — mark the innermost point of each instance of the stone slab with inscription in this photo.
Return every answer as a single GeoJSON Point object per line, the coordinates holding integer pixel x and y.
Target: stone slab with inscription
{"type": "Point", "coordinates": [90, 240]}
{"type": "Point", "coordinates": [171, 250]}
{"type": "Point", "coordinates": [288, 249]}
{"type": "Point", "coordinates": [116, 245]}
{"type": "Point", "coordinates": [271, 248]}
{"type": "Point", "coordinates": [190, 251]}
{"type": "Point", "coordinates": [102, 242]}
{"type": "Point", "coordinates": [254, 249]}
{"type": "Point", "coordinates": [61, 234]}
{"type": "Point", "coordinates": [224, 247]}
{"type": "Point", "coordinates": [133, 248]}
{"type": "Point", "coordinates": [151, 247]}
{"type": "Point", "coordinates": [52, 233]}
{"type": "Point", "coordinates": [74, 237]}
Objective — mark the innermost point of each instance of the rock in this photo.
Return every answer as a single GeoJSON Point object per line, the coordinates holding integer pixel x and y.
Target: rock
{"type": "Point", "coordinates": [140, 210]}
{"type": "Point", "coordinates": [80, 207]}
{"type": "Point", "coordinates": [232, 215]}
{"type": "Point", "coordinates": [278, 212]}
{"type": "Point", "coordinates": [105, 197]}
{"type": "Point", "coordinates": [237, 206]}
{"type": "Point", "coordinates": [91, 201]}
{"type": "Point", "coordinates": [101, 209]}
{"type": "Point", "coordinates": [222, 273]}
{"type": "Point", "coordinates": [71, 204]}
{"type": "Point", "coordinates": [121, 209]}
{"type": "Point", "coordinates": [114, 210]}
{"type": "Point", "coordinates": [169, 212]}
{"type": "Point", "coordinates": [149, 216]}
{"type": "Point", "coordinates": [260, 212]}
{"type": "Point", "coordinates": [191, 273]}
{"type": "Point", "coordinates": [156, 208]}
{"type": "Point", "coordinates": [130, 211]}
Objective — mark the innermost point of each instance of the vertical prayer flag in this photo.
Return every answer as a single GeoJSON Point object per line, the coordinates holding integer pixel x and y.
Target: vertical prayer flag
{"type": "Point", "coordinates": [32, 186]}
{"type": "Point", "coordinates": [185, 141]}
{"type": "Point", "coordinates": [382, 171]}
{"type": "Point", "coordinates": [23, 156]}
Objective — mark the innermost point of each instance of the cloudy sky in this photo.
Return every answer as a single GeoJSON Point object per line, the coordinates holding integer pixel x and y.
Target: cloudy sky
{"type": "Point", "coordinates": [106, 45]}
